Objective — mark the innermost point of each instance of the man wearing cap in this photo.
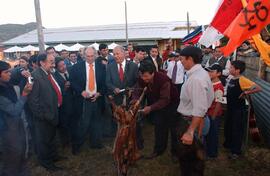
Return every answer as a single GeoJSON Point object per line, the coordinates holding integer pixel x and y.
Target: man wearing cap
{"type": "Point", "coordinates": [170, 58]}
{"type": "Point", "coordinates": [196, 97]}
{"type": "Point", "coordinates": [176, 71]}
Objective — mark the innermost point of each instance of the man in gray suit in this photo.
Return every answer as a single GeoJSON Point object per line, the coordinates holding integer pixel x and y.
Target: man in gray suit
{"type": "Point", "coordinates": [121, 74]}
{"type": "Point", "coordinates": [44, 101]}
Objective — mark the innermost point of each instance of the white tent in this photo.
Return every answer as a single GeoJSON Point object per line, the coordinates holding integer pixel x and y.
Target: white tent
{"type": "Point", "coordinates": [112, 45]}
{"type": "Point", "coordinates": [61, 47]}
{"type": "Point", "coordinates": [29, 48]}
{"type": "Point", "coordinates": [76, 47]}
{"type": "Point", "coordinates": [95, 45]}
{"type": "Point", "coordinates": [13, 49]}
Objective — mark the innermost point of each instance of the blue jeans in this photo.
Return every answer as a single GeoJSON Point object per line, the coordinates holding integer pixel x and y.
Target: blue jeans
{"type": "Point", "coordinates": [212, 137]}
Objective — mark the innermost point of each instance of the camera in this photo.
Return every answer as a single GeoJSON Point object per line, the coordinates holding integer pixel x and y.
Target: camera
{"type": "Point", "coordinates": [30, 80]}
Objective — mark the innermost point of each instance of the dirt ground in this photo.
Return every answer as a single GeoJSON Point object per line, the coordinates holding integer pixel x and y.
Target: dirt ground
{"type": "Point", "coordinates": [255, 162]}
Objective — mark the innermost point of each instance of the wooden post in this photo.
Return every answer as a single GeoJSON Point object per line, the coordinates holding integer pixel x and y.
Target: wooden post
{"type": "Point", "coordinates": [262, 70]}
{"type": "Point", "coordinates": [41, 43]}
{"type": "Point", "coordinates": [188, 24]}
{"type": "Point", "coordinates": [126, 22]}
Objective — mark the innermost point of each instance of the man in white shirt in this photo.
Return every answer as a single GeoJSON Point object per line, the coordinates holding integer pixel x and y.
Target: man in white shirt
{"type": "Point", "coordinates": [88, 82]}
{"type": "Point", "coordinates": [196, 97]}
{"type": "Point", "coordinates": [176, 71]}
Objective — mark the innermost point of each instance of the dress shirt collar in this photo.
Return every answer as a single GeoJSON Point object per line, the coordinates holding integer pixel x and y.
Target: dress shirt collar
{"type": "Point", "coordinates": [194, 69]}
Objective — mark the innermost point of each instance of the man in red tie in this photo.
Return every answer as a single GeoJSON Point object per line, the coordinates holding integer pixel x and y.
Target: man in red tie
{"type": "Point", "coordinates": [44, 101]}
{"type": "Point", "coordinates": [121, 74]}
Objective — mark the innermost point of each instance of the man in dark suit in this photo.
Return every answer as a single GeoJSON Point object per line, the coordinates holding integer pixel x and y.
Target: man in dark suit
{"type": "Point", "coordinates": [154, 58]}
{"type": "Point", "coordinates": [88, 81]}
{"type": "Point", "coordinates": [66, 126]}
{"type": "Point", "coordinates": [44, 101]}
{"type": "Point", "coordinates": [121, 74]}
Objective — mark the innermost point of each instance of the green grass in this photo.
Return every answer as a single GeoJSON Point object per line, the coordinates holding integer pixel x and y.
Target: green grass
{"type": "Point", "coordinates": [255, 162]}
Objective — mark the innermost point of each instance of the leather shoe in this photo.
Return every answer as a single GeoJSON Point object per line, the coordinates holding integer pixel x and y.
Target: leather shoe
{"type": "Point", "coordinates": [60, 158]}
{"type": "Point", "coordinates": [152, 156]}
{"type": "Point", "coordinates": [97, 146]}
{"type": "Point", "coordinates": [75, 151]}
{"type": "Point", "coordinates": [52, 168]}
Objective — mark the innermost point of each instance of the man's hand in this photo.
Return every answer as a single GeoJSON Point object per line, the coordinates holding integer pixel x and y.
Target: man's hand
{"type": "Point", "coordinates": [116, 91]}
{"type": "Point", "coordinates": [187, 138]}
{"type": "Point", "coordinates": [146, 110]}
{"type": "Point", "coordinates": [25, 73]}
{"type": "Point", "coordinates": [27, 89]}
{"type": "Point", "coordinates": [95, 96]}
{"type": "Point", "coordinates": [67, 85]}
{"type": "Point", "coordinates": [85, 94]}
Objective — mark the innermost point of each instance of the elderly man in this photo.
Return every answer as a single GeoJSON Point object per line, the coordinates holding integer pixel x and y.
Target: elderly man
{"type": "Point", "coordinates": [44, 101]}
{"type": "Point", "coordinates": [196, 97]}
{"type": "Point", "coordinates": [88, 81]}
{"type": "Point", "coordinates": [121, 74]}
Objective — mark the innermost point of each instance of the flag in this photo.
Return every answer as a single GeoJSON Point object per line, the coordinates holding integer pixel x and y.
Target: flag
{"type": "Point", "coordinates": [250, 21]}
{"type": "Point", "coordinates": [194, 36]}
{"type": "Point", "coordinates": [263, 48]}
{"type": "Point", "coordinates": [226, 13]}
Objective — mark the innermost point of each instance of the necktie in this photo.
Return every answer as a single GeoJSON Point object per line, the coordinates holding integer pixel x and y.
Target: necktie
{"type": "Point", "coordinates": [56, 89]}
{"type": "Point", "coordinates": [91, 77]}
{"type": "Point", "coordinates": [155, 63]}
{"type": "Point", "coordinates": [66, 76]}
{"type": "Point", "coordinates": [121, 72]}
{"type": "Point", "coordinates": [174, 72]}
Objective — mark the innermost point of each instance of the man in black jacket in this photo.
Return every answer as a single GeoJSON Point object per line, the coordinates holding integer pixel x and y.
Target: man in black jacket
{"type": "Point", "coordinates": [66, 113]}
{"type": "Point", "coordinates": [154, 58]}
{"type": "Point", "coordinates": [88, 81]}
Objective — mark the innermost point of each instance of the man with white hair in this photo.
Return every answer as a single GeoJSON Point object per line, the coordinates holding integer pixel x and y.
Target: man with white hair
{"type": "Point", "coordinates": [121, 74]}
{"type": "Point", "coordinates": [88, 81]}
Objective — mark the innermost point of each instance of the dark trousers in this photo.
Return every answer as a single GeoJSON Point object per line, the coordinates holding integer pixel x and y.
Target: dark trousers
{"type": "Point", "coordinates": [191, 157]}
{"type": "Point", "coordinates": [65, 123]}
{"type": "Point", "coordinates": [139, 136]}
{"type": "Point", "coordinates": [108, 124]}
{"type": "Point", "coordinates": [90, 123]}
{"type": "Point", "coordinates": [212, 137]}
{"type": "Point", "coordinates": [234, 129]}
{"type": "Point", "coordinates": [13, 150]}
{"type": "Point", "coordinates": [165, 121]}
{"type": "Point", "coordinates": [45, 137]}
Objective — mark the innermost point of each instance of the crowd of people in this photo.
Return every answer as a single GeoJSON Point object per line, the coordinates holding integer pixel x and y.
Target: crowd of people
{"type": "Point", "coordinates": [67, 93]}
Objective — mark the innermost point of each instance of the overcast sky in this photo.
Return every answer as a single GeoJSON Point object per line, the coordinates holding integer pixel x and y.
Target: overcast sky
{"type": "Point", "coordinates": [68, 13]}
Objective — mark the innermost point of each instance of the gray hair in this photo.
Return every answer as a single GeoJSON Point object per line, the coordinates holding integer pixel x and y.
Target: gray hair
{"type": "Point", "coordinates": [121, 48]}
{"type": "Point", "coordinates": [90, 47]}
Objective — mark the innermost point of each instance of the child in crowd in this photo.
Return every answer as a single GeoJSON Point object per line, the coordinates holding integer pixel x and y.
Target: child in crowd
{"type": "Point", "coordinates": [235, 122]}
{"type": "Point", "coordinates": [215, 111]}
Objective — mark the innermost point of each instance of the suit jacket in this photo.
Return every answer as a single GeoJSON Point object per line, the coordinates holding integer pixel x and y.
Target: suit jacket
{"type": "Point", "coordinates": [110, 59]}
{"type": "Point", "coordinates": [78, 82]}
{"type": "Point", "coordinates": [67, 106]}
{"type": "Point", "coordinates": [113, 80]}
{"type": "Point", "coordinates": [159, 61]}
{"type": "Point", "coordinates": [42, 100]}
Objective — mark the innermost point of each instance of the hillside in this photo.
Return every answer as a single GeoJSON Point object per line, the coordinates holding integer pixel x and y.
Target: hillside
{"type": "Point", "coordinates": [9, 31]}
